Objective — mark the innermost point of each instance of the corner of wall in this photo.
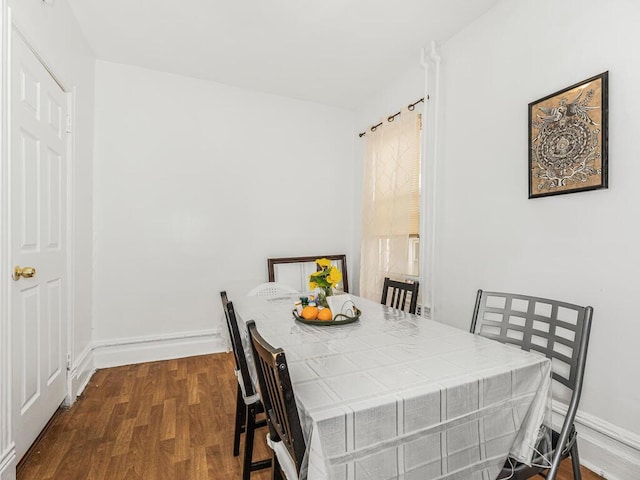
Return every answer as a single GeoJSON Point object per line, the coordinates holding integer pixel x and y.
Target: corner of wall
{"type": "Point", "coordinates": [8, 465]}
{"type": "Point", "coordinates": [80, 374]}
{"type": "Point", "coordinates": [129, 351]}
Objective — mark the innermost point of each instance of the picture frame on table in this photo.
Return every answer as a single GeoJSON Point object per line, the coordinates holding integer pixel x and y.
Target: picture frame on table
{"type": "Point", "coordinates": [568, 139]}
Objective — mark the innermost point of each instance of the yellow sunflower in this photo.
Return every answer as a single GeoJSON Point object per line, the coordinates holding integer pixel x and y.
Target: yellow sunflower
{"type": "Point", "coordinates": [323, 262]}
{"type": "Point", "coordinates": [334, 276]}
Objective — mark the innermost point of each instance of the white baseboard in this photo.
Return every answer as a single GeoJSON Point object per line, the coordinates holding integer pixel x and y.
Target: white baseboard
{"type": "Point", "coordinates": [8, 465]}
{"type": "Point", "coordinates": [80, 374]}
{"type": "Point", "coordinates": [604, 448]}
{"type": "Point", "coordinates": [126, 351]}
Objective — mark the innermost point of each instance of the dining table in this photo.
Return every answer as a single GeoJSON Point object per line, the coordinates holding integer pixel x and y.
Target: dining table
{"type": "Point", "coordinates": [395, 395]}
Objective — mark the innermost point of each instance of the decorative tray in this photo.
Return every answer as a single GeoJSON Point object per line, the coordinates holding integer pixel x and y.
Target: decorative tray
{"type": "Point", "coordinates": [339, 319]}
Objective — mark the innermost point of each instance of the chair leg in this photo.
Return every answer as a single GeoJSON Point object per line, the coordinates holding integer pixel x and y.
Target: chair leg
{"type": "Point", "coordinates": [575, 461]}
{"type": "Point", "coordinates": [276, 471]}
{"type": "Point", "coordinates": [248, 441]}
{"type": "Point", "coordinates": [241, 414]}
{"type": "Point", "coordinates": [246, 423]}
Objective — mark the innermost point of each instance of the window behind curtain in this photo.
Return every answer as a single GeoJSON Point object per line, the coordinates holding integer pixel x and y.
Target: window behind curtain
{"type": "Point", "coordinates": [391, 204]}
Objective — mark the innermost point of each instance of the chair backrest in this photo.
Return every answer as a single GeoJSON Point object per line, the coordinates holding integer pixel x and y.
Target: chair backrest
{"type": "Point", "coordinates": [236, 345]}
{"type": "Point", "coordinates": [558, 330]}
{"type": "Point", "coordinates": [395, 293]}
{"type": "Point", "coordinates": [277, 395]}
{"type": "Point", "coordinates": [340, 260]}
{"type": "Point", "coordinates": [271, 289]}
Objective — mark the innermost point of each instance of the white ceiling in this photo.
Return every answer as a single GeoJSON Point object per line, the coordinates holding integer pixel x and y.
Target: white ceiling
{"type": "Point", "coordinates": [336, 52]}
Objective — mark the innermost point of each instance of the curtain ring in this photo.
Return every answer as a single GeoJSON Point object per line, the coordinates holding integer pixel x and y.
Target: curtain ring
{"type": "Point", "coordinates": [412, 106]}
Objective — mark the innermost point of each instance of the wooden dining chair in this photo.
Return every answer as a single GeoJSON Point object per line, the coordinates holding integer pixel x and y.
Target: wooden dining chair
{"type": "Point", "coordinates": [285, 431]}
{"type": "Point", "coordinates": [558, 330]}
{"type": "Point", "coordinates": [395, 294]}
{"type": "Point", "coordinates": [248, 402]}
{"type": "Point", "coordinates": [340, 261]}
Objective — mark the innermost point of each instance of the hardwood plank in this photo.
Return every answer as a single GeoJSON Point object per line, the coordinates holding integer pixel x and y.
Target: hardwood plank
{"type": "Point", "coordinates": [99, 462]}
{"type": "Point", "coordinates": [168, 426]}
{"type": "Point", "coordinates": [168, 420]}
{"type": "Point", "coordinates": [123, 439]}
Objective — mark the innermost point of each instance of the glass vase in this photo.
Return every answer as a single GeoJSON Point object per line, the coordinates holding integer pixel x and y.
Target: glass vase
{"type": "Point", "coordinates": [323, 294]}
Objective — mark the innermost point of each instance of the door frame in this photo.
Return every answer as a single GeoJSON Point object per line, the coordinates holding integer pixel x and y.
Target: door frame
{"type": "Point", "coordinates": [9, 27]}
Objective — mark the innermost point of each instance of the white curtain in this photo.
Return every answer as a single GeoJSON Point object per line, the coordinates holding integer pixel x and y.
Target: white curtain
{"type": "Point", "coordinates": [391, 203]}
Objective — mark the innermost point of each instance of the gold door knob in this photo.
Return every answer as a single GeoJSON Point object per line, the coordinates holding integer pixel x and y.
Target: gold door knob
{"type": "Point", "coordinates": [24, 272]}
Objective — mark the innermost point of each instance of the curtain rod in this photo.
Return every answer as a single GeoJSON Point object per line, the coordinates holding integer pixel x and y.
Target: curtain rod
{"type": "Point", "coordinates": [391, 118]}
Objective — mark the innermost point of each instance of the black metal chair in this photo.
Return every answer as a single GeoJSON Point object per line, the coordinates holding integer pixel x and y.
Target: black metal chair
{"type": "Point", "coordinates": [248, 403]}
{"type": "Point", "coordinates": [558, 330]}
{"type": "Point", "coordinates": [396, 292]}
{"type": "Point", "coordinates": [285, 431]}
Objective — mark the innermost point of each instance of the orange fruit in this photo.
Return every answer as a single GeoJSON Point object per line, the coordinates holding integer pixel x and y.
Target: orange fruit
{"type": "Point", "coordinates": [309, 313]}
{"type": "Point", "coordinates": [325, 314]}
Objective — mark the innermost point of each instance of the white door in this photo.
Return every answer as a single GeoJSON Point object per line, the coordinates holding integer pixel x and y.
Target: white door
{"type": "Point", "coordinates": [38, 226]}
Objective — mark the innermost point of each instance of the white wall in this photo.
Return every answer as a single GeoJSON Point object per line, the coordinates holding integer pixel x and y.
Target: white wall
{"type": "Point", "coordinates": [7, 450]}
{"type": "Point", "coordinates": [196, 185]}
{"type": "Point", "coordinates": [54, 33]}
{"type": "Point", "coordinates": [580, 247]}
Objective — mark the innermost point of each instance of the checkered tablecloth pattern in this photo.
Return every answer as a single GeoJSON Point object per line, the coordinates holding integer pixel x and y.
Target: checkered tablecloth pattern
{"type": "Point", "coordinates": [397, 396]}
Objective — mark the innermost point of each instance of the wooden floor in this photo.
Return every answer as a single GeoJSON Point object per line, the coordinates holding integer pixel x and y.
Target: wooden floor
{"type": "Point", "coordinates": [168, 420]}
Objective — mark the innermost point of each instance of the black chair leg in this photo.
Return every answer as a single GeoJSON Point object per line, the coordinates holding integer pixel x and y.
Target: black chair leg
{"type": "Point", "coordinates": [247, 465]}
{"type": "Point", "coordinates": [276, 471]}
{"type": "Point", "coordinates": [247, 423]}
{"type": "Point", "coordinates": [575, 461]}
{"type": "Point", "coordinates": [241, 414]}
{"type": "Point", "coordinates": [248, 442]}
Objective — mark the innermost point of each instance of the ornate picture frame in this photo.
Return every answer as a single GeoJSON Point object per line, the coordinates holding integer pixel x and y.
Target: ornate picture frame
{"type": "Point", "coordinates": [568, 139]}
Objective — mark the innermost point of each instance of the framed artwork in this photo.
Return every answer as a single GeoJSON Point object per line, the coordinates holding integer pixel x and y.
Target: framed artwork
{"type": "Point", "coordinates": [568, 139]}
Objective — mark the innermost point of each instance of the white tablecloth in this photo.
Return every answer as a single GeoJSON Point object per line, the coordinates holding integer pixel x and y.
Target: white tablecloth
{"type": "Point", "coordinates": [394, 395]}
